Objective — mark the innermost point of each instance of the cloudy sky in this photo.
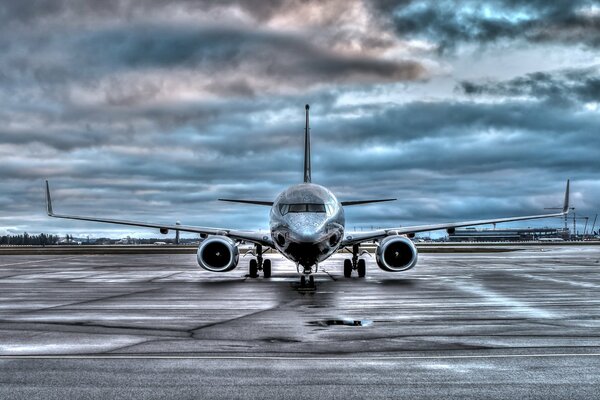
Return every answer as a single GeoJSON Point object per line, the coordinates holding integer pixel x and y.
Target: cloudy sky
{"type": "Point", "coordinates": [153, 109]}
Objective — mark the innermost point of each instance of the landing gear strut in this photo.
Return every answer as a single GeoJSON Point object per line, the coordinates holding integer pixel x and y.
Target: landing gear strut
{"type": "Point", "coordinates": [355, 264]}
{"type": "Point", "coordinates": [307, 283]}
{"type": "Point", "coordinates": [259, 264]}
{"type": "Point", "coordinates": [307, 279]}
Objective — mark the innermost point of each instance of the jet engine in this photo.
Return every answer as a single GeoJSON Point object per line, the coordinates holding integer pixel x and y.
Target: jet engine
{"type": "Point", "coordinates": [396, 254]}
{"type": "Point", "coordinates": [218, 254]}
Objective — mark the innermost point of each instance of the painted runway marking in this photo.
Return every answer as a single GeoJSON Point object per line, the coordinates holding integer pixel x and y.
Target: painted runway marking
{"type": "Point", "coordinates": [357, 358]}
{"type": "Point", "coordinates": [562, 281]}
{"type": "Point", "coordinates": [497, 299]}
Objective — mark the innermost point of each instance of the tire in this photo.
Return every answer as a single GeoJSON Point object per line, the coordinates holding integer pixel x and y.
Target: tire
{"type": "Point", "coordinates": [253, 268]}
{"type": "Point", "coordinates": [311, 281]}
{"type": "Point", "coordinates": [347, 268]}
{"type": "Point", "coordinates": [362, 268]}
{"type": "Point", "coordinates": [267, 268]}
{"type": "Point", "coordinates": [303, 281]}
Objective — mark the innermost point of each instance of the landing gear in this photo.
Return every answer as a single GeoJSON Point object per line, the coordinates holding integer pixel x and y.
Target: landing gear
{"type": "Point", "coordinates": [259, 264]}
{"type": "Point", "coordinates": [307, 282]}
{"type": "Point", "coordinates": [253, 268]}
{"type": "Point", "coordinates": [347, 268]}
{"type": "Point", "coordinates": [361, 268]}
{"type": "Point", "coordinates": [360, 265]}
{"type": "Point", "coordinates": [307, 279]}
{"type": "Point", "coordinates": [267, 268]}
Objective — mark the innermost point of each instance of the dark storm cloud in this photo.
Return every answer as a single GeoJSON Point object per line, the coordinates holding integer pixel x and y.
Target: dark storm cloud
{"type": "Point", "coordinates": [219, 50]}
{"type": "Point", "coordinates": [573, 85]}
{"type": "Point", "coordinates": [34, 10]}
{"type": "Point", "coordinates": [449, 23]}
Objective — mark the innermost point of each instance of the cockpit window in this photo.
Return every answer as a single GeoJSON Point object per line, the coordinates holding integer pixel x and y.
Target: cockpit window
{"type": "Point", "coordinates": [302, 207]}
{"type": "Point", "coordinates": [296, 208]}
{"type": "Point", "coordinates": [317, 208]}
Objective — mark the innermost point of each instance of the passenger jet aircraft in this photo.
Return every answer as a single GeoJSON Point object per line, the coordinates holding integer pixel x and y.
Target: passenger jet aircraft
{"type": "Point", "coordinates": [307, 227]}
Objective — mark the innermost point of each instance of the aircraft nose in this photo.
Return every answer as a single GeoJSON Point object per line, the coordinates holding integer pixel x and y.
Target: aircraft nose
{"type": "Point", "coordinates": [309, 235]}
{"type": "Point", "coordinates": [307, 227]}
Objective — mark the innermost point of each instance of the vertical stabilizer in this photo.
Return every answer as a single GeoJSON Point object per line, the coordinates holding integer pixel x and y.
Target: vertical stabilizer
{"type": "Point", "coordinates": [307, 168]}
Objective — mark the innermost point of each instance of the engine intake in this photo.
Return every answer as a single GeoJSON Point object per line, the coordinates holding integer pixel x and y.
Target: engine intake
{"type": "Point", "coordinates": [218, 254]}
{"type": "Point", "coordinates": [396, 254]}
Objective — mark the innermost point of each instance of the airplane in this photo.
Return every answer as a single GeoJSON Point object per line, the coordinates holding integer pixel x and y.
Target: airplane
{"type": "Point", "coordinates": [307, 226]}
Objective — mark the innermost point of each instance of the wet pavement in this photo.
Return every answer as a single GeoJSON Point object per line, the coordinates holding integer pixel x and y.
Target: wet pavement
{"type": "Point", "coordinates": [502, 325]}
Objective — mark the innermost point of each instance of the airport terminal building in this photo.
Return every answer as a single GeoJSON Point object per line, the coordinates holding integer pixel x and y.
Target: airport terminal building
{"type": "Point", "coordinates": [507, 235]}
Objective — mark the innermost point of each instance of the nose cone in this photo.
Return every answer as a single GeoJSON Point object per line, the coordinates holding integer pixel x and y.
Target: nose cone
{"type": "Point", "coordinates": [307, 227]}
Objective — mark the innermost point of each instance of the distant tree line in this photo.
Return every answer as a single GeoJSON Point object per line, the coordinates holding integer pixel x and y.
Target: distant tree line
{"type": "Point", "coordinates": [26, 239]}
{"type": "Point", "coordinates": [44, 239]}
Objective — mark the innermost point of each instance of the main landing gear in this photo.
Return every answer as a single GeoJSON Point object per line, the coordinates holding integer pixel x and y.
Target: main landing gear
{"type": "Point", "coordinates": [355, 264]}
{"type": "Point", "coordinates": [259, 264]}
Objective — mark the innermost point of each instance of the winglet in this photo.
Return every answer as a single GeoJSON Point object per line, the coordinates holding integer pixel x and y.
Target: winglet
{"type": "Point", "coordinates": [48, 200]}
{"type": "Point", "coordinates": [566, 203]}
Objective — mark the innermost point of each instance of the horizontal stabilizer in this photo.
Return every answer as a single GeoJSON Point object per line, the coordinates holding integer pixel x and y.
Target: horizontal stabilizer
{"type": "Point", "coordinates": [256, 202]}
{"type": "Point", "coordinates": [359, 202]}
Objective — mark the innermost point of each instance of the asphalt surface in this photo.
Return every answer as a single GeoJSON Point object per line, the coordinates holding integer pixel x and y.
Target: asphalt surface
{"type": "Point", "coordinates": [522, 324]}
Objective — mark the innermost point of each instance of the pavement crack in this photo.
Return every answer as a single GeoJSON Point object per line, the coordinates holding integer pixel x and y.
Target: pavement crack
{"type": "Point", "coordinates": [217, 323]}
{"type": "Point", "coordinates": [92, 300]}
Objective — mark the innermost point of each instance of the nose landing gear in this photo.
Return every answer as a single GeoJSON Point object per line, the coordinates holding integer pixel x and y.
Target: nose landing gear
{"type": "Point", "coordinates": [355, 264]}
{"type": "Point", "coordinates": [307, 283]}
{"type": "Point", "coordinates": [307, 279]}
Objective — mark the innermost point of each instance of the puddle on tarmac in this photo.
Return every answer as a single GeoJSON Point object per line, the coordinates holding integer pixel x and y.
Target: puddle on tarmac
{"type": "Point", "coordinates": [344, 322]}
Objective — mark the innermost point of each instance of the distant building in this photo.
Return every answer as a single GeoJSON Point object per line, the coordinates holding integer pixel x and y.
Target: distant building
{"type": "Point", "coordinates": [507, 235]}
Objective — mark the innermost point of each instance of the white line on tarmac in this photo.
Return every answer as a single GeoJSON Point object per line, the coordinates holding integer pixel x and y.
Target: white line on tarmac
{"type": "Point", "coordinates": [341, 358]}
{"type": "Point", "coordinates": [505, 302]}
{"type": "Point", "coordinates": [555, 280]}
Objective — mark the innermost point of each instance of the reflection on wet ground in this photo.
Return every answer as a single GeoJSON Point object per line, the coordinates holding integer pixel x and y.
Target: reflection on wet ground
{"type": "Point", "coordinates": [161, 304]}
{"type": "Point", "coordinates": [527, 303]}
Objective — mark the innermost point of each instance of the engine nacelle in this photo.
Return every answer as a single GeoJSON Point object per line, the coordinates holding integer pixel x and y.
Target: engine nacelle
{"type": "Point", "coordinates": [218, 254]}
{"type": "Point", "coordinates": [396, 254]}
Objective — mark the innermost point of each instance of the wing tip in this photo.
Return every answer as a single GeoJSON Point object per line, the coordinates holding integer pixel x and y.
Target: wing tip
{"type": "Point", "coordinates": [566, 202]}
{"type": "Point", "coordinates": [48, 200]}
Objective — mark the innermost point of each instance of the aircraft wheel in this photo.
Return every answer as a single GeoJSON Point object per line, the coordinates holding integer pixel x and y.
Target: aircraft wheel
{"type": "Point", "coordinates": [267, 268]}
{"type": "Point", "coordinates": [362, 268]}
{"type": "Point", "coordinates": [347, 268]}
{"type": "Point", "coordinates": [311, 281]}
{"type": "Point", "coordinates": [303, 281]}
{"type": "Point", "coordinates": [253, 268]}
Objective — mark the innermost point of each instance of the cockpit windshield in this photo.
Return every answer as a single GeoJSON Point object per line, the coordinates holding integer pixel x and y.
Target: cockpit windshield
{"type": "Point", "coordinates": [302, 208]}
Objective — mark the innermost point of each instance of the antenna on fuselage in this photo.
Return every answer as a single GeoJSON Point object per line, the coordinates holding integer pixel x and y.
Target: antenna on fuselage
{"type": "Point", "coordinates": [307, 168]}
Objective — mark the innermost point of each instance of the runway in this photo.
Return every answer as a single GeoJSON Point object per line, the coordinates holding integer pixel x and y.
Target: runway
{"type": "Point", "coordinates": [501, 325]}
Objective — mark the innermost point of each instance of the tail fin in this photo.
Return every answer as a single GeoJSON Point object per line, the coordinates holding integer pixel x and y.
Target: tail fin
{"type": "Point", "coordinates": [307, 168]}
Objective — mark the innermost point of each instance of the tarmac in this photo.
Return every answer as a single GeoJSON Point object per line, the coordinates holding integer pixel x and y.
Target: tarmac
{"type": "Point", "coordinates": [519, 324]}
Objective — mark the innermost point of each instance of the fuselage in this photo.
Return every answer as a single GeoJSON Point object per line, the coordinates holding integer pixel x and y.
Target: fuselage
{"type": "Point", "coordinates": [307, 223]}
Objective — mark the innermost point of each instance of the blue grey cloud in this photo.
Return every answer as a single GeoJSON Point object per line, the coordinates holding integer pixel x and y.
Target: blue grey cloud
{"type": "Point", "coordinates": [452, 22]}
{"type": "Point", "coordinates": [154, 111]}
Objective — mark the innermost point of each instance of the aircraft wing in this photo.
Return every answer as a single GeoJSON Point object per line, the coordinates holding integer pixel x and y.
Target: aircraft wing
{"type": "Point", "coordinates": [250, 236]}
{"type": "Point", "coordinates": [359, 237]}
